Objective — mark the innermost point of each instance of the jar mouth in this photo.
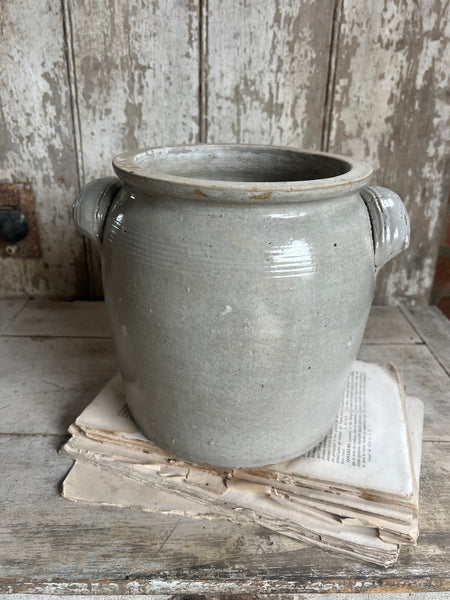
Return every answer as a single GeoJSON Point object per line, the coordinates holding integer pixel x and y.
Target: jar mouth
{"type": "Point", "coordinates": [237, 167]}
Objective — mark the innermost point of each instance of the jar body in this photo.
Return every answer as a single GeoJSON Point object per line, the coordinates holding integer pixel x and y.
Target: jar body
{"type": "Point", "coordinates": [236, 325]}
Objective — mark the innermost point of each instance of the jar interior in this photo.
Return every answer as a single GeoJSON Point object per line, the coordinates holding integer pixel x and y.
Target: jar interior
{"type": "Point", "coordinates": [238, 163]}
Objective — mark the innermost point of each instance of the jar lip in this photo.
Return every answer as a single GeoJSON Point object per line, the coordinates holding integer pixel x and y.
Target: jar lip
{"type": "Point", "coordinates": [194, 168]}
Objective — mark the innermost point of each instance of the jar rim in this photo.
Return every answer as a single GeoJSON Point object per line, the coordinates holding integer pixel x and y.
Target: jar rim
{"type": "Point", "coordinates": [258, 172]}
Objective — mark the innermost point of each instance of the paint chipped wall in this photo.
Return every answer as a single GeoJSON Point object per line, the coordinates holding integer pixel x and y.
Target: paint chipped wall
{"type": "Point", "coordinates": [104, 76]}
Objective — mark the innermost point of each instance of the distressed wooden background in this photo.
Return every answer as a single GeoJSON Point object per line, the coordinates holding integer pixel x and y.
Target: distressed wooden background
{"type": "Point", "coordinates": [82, 80]}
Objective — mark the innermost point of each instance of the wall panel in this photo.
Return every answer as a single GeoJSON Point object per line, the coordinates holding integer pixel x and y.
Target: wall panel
{"type": "Point", "coordinates": [136, 75]}
{"type": "Point", "coordinates": [83, 80]}
{"type": "Point", "coordinates": [266, 71]}
{"type": "Point", "coordinates": [37, 146]}
{"type": "Point", "coordinates": [391, 109]}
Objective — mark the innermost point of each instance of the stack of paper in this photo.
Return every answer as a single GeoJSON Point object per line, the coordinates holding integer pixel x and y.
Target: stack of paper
{"type": "Point", "coordinates": [356, 492]}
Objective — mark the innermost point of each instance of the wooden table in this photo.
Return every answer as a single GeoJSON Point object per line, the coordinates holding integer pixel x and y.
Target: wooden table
{"type": "Point", "coordinates": [54, 357]}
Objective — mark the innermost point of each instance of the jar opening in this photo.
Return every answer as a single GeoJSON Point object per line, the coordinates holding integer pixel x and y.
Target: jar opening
{"type": "Point", "coordinates": [247, 173]}
{"type": "Point", "coordinates": [245, 164]}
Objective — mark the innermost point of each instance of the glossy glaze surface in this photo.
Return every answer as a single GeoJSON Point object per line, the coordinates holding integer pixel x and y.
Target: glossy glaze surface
{"type": "Point", "coordinates": [237, 305]}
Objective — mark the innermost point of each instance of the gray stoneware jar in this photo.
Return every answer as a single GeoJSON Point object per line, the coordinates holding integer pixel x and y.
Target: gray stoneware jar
{"type": "Point", "coordinates": [238, 281]}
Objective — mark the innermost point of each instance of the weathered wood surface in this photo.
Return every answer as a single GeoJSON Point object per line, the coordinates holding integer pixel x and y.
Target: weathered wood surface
{"type": "Point", "coordinates": [37, 146]}
{"type": "Point", "coordinates": [387, 325]}
{"type": "Point", "coordinates": [54, 547]}
{"type": "Point", "coordinates": [266, 71]}
{"type": "Point", "coordinates": [424, 377]}
{"type": "Point", "coordinates": [357, 596]}
{"type": "Point", "coordinates": [107, 75]}
{"type": "Point", "coordinates": [49, 542]}
{"type": "Point", "coordinates": [136, 67]}
{"type": "Point", "coordinates": [60, 319]}
{"type": "Point", "coordinates": [9, 309]}
{"type": "Point", "coordinates": [136, 70]}
{"type": "Point", "coordinates": [390, 109]}
{"type": "Point", "coordinates": [65, 372]}
{"type": "Point", "coordinates": [46, 382]}
{"type": "Point", "coordinates": [433, 327]}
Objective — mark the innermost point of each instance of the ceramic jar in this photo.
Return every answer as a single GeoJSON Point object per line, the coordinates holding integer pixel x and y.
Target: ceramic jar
{"type": "Point", "coordinates": [238, 281]}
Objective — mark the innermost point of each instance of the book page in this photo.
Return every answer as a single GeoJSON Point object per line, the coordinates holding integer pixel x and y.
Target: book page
{"type": "Point", "coordinates": [109, 412]}
{"type": "Point", "coordinates": [91, 483]}
{"type": "Point", "coordinates": [368, 445]}
{"type": "Point", "coordinates": [366, 448]}
{"type": "Point", "coordinates": [97, 484]}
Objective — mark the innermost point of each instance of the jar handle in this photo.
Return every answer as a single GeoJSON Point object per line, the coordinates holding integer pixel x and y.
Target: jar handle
{"type": "Point", "coordinates": [92, 205]}
{"type": "Point", "coordinates": [389, 221]}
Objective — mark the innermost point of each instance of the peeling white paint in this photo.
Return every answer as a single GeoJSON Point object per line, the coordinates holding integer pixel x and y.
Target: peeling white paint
{"type": "Point", "coordinates": [275, 90]}
{"type": "Point", "coordinates": [137, 81]}
{"type": "Point", "coordinates": [37, 145]}
{"type": "Point", "coordinates": [132, 86]}
{"type": "Point", "coordinates": [390, 110]}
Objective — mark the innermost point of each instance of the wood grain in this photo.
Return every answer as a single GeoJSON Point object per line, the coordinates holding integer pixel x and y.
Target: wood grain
{"type": "Point", "coordinates": [54, 547]}
{"type": "Point", "coordinates": [60, 319]}
{"type": "Point", "coordinates": [357, 596]}
{"type": "Point", "coordinates": [136, 66]}
{"type": "Point", "coordinates": [423, 377]}
{"type": "Point", "coordinates": [46, 382]}
{"type": "Point", "coordinates": [51, 545]}
{"type": "Point", "coordinates": [391, 109]}
{"type": "Point", "coordinates": [137, 76]}
{"type": "Point", "coordinates": [387, 325]}
{"type": "Point", "coordinates": [9, 309]}
{"type": "Point", "coordinates": [434, 328]}
{"type": "Point", "coordinates": [266, 71]}
{"type": "Point", "coordinates": [37, 146]}
{"type": "Point", "coordinates": [105, 76]}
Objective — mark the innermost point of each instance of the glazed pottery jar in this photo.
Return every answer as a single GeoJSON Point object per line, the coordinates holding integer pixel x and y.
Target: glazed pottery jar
{"type": "Point", "coordinates": [238, 281]}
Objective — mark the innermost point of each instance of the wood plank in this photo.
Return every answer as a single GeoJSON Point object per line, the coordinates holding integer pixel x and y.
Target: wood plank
{"type": "Point", "coordinates": [357, 596]}
{"type": "Point", "coordinates": [137, 81]}
{"type": "Point", "coordinates": [110, 596]}
{"type": "Point", "coordinates": [89, 319]}
{"type": "Point", "coordinates": [38, 147]}
{"type": "Point", "coordinates": [385, 596]}
{"type": "Point", "coordinates": [423, 377]}
{"type": "Point", "coordinates": [390, 110]}
{"type": "Point", "coordinates": [434, 328]}
{"type": "Point", "coordinates": [56, 360]}
{"type": "Point", "coordinates": [275, 91]}
{"type": "Point", "coordinates": [9, 309]}
{"type": "Point", "coordinates": [387, 325]}
{"type": "Point", "coordinates": [46, 382]}
{"type": "Point", "coordinates": [52, 546]}
{"type": "Point", "coordinates": [61, 319]}
{"type": "Point", "coordinates": [434, 496]}
{"type": "Point", "coordinates": [388, 596]}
